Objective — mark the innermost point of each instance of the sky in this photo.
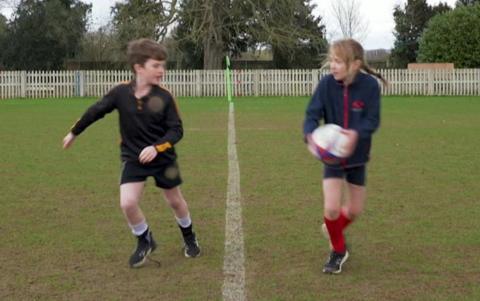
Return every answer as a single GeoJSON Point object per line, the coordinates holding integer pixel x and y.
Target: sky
{"type": "Point", "coordinates": [378, 14]}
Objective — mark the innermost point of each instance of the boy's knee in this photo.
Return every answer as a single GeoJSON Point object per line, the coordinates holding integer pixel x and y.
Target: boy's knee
{"type": "Point", "coordinates": [174, 198]}
{"type": "Point", "coordinates": [128, 204]}
{"type": "Point", "coordinates": [176, 203]}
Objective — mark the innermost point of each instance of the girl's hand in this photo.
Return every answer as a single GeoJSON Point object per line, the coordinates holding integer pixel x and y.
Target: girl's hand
{"type": "Point", "coordinates": [352, 141]}
{"type": "Point", "coordinates": [148, 154]}
{"type": "Point", "coordinates": [311, 146]}
{"type": "Point", "coordinates": [68, 140]}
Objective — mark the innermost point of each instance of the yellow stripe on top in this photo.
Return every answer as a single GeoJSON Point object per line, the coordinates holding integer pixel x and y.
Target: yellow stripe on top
{"type": "Point", "coordinates": [163, 147]}
{"type": "Point", "coordinates": [123, 82]}
{"type": "Point", "coordinates": [74, 124]}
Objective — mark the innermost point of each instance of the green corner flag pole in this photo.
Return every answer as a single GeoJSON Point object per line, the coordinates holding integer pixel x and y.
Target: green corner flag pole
{"type": "Point", "coordinates": [228, 79]}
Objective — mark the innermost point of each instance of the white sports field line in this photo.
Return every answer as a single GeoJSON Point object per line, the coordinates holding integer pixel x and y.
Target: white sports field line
{"type": "Point", "coordinates": [234, 261]}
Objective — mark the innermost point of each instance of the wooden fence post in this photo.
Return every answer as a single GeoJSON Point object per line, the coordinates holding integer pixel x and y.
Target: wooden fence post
{"type": "Point", "coordinates": [198, 85]}
{"type": "Point", "coordinates": [23, 84]}
{"type": "Point", "coordinates": [430, 82]}
{"type": "Point", "coordinates": [82, 83]}
{"type": "Point", "coordinates": [314, 79]}
{"type": "Point", "coordinates": [256, 81]}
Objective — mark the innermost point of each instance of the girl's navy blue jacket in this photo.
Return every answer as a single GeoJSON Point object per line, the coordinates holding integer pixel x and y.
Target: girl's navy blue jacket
{"type": "Point", "coordinates": [356, 106]}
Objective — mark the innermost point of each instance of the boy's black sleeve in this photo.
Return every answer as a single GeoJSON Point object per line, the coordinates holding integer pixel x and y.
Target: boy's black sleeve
{"type": "Point", "coordinates": [95, 112]}
{"type": "Point", "coordinates": [174, 127]}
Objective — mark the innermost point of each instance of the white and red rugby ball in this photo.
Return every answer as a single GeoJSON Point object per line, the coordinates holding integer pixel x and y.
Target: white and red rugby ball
{"type": "Point", "coordinates": [329, 143]}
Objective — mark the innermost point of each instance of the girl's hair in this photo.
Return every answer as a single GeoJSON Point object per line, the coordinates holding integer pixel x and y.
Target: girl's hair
{"type": "Point", "coordinates": [349, 51]}
{"type": "Point", "coordinates": [139, 51]}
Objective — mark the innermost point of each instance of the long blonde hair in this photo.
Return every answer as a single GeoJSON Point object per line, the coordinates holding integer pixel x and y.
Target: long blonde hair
{"type": "Point", "coordinates": [349, 50]}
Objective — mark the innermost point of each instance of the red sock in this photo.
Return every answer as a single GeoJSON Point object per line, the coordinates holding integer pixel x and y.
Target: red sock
{"type": "Point", "coordinates": [344, 220]}
{"type": "Point", "coordinates": [336, 234]}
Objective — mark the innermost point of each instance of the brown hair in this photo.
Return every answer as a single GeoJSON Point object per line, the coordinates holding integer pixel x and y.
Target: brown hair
{"type": "Point", "coordinates": [349, 50]}
{"type": "Point", "coordinates": [139, 51]}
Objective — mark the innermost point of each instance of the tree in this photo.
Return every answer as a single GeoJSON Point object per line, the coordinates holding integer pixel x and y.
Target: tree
{"type": "Point", "coordinates": [143, 19]}
{"type": "Point", "coordinates": [296, 37]}
{"type": "Point", "coordinates": [410, 22]}
{"type": "Point", "coordinates": [3, 33]}
{"type": "Point", "coordinates": [3, 25]}
{"type": "Point", "coordinates": [467, 2]}
{"type": "Point", "coordinates": [208, 29]}
{"type": "Point", "coordinates": [190, 50]}
{"type": "Point", "coordinates": [100, 49]}
{"type": "Point", "coordinates": [349, 20]}
{"type": "Point", "coordinates": [213, 28]}
{"type": "Point", "coordinates": [453, 37]}
{"type": "Point", "coordinates": [43, 34]}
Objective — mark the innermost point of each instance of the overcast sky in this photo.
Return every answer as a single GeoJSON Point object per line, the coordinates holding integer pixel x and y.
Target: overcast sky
{"type": "Point", "coordinates": [377, 13]}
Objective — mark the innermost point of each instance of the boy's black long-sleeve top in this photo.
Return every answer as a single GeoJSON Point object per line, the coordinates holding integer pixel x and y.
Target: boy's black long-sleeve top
{"type": "Point", "coordinates": [151, 120]}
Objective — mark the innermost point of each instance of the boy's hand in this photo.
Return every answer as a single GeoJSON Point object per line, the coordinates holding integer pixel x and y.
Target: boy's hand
{"type": "Point", "coordinates": [352, 141]}
{"type": "Point", "coordinates": [68, 140]}
{"type": "Point", "coordinates": [148, 154]}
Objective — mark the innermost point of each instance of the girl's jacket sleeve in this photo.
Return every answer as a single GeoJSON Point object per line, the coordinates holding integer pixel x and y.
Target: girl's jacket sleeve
{"type": "Point", "coordinates": [371, 121]}
{"type": "Point", "coordinates": [314, 111]}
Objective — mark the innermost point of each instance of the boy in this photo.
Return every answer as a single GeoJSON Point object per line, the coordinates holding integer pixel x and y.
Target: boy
{"type": "Point", "coordinates": [150, 126]}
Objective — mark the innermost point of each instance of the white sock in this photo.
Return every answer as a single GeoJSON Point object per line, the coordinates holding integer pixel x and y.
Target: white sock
{"type": "Point", "coordinates": [138, 229]}
{"type": "Point", "coordinates": [184, 222]}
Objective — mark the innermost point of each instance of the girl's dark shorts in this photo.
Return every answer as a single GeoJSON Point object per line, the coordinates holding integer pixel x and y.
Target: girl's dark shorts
{"type": "Point", "coordinates": [354, 175]}
{"type": "Point", "coordinates": [166, 176]}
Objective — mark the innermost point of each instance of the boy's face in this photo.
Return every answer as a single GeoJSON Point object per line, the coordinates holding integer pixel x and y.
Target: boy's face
{"type": "Point", "coordinates": [151, 72]}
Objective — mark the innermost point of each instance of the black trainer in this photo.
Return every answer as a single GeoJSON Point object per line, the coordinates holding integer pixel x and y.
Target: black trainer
{"type": "Point", "coordinates": [191, 247]}
{"type": "Point", "coordinates": [335, 262]}
{"type": "Point", "coordinates": [145, 245]}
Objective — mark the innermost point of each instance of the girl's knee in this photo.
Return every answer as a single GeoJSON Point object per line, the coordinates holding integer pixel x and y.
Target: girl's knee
{"type": "Point", "coordinates": [331, 213]}
{"type": "Point", "coordinates": [353, 212]}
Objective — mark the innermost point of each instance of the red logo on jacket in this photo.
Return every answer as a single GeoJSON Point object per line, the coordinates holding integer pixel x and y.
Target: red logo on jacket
{"type": "Point", "coordinates": [358, 105]}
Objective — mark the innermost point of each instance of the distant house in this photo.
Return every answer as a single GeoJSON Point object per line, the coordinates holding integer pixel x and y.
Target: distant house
{"type": "Point", "coordinates": [259, 59]}
{"type": "Point", "coordinates": [435, 66]}
{"type": "Point", "coordinates": [378, 58]}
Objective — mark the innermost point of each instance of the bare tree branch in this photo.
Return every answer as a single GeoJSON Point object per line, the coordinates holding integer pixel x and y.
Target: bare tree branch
{"type": "Point", "coordinates": [349, 20]}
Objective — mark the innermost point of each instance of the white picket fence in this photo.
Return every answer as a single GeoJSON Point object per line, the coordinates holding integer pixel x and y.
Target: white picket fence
{"type": "Point", "coordinates": [61, 84]}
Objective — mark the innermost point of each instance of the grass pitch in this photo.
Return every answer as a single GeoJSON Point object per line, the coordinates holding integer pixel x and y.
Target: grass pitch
{"type": "Point", "coordinates": [64, 237]}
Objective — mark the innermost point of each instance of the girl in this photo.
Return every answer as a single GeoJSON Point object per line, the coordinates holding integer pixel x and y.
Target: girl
{"type": "Point", "coordinates": [349, 97]}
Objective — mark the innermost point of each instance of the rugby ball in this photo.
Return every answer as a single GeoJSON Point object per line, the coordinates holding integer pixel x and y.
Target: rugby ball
{"type": "Point", "coordinates": [329, 144]}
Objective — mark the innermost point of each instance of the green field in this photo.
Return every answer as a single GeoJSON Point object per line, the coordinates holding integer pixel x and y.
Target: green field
{"type": "Point", "coordinates": [64, 236]}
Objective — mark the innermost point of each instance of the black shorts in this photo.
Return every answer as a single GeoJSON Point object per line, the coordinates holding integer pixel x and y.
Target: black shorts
{"type": "Point", "coordinates": [166, 176]}
{"type": "Point", "coordinates": [355, 175]}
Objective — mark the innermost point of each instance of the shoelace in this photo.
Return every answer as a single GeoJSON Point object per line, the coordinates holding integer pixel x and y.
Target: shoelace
{"type": "Point", "coordinates": [335, 257]}
{"type": "Point", "coordinates": [191, 244]}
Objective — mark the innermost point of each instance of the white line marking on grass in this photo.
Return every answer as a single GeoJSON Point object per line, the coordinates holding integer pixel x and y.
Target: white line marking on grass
{"type": "Point", "coordinates": [234, 261]}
